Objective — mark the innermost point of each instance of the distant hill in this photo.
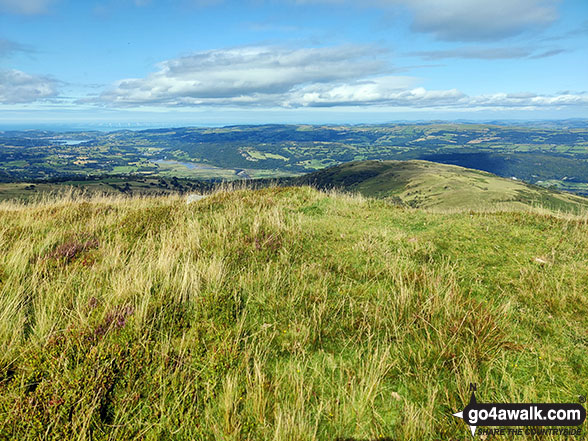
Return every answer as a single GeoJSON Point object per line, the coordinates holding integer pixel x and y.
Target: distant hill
{"type": "Point", "coordinates": [551, 155]}
{"type": "Point", "coordinates": [431, 185]}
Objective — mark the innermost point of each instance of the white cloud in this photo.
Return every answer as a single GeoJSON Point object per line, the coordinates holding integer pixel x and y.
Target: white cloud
{"type": "Point", "coordinates": [378, 93]}
{"type": "Point", "coordinates": [26, 7]}
{"type": "Point", "coordinates": [388, 90]}
{"type": "Point", "coordinates": [244, 75]}
{"type": "Point", "coordinates": [20, 87]}
{"type": "Point", "coordinates": [529, 100]}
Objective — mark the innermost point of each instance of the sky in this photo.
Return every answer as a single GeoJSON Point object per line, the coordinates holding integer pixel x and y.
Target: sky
{"type": "Point", "coordinates": [218, 62]}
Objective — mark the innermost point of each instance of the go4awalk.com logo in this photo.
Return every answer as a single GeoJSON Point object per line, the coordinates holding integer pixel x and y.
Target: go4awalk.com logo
{"type": "Point", "coordinates": [560, 417]}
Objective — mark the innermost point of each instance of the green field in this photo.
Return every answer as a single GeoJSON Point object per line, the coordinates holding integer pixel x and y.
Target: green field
{"type": "Point", "coordinates": [284, 314]}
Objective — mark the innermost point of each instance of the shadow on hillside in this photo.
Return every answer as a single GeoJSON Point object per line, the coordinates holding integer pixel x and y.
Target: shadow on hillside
{"type": "Point", "coordinates": [480, 161]}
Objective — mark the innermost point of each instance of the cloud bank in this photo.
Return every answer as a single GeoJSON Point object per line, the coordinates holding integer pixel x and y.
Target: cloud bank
{"type": "Point", "coordinates": [296, 78]}
{"type": "Point", "coordinates": [249, 75]}
{"type": "Point", "coordinates": [18, 87]}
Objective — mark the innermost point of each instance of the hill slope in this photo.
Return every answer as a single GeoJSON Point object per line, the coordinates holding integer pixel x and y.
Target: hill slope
{"type": "Point", "coordinates": [426, 184]}
{"type": "Point", "coordinates": [281, 314]}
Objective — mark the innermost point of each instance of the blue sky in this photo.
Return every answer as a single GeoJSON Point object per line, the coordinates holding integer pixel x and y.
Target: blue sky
{"type": "Point", "coordinates": [256, 61]}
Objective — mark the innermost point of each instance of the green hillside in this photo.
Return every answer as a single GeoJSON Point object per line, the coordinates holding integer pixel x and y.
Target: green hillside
{"type": "Point", "coordinates": [431, 185]}
{"type": "Point", "coordinates": [282, 313]}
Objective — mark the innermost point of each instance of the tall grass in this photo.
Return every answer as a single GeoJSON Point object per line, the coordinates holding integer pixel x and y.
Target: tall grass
{"type": "Point", "coordinates": [282, 313]}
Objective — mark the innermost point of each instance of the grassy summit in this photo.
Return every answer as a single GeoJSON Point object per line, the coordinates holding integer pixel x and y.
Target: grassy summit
{"type": "Point", "coordinates": [431, 185]}
{"type": "Point", "coordinates": [283, 313]}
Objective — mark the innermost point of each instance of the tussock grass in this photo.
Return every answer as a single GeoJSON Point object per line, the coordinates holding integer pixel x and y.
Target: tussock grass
{"type": "Point", "coordinates": [281, 313]}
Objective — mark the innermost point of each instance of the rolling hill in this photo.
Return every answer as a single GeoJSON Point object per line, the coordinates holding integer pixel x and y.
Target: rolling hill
{"type": "Point", "coordinates": [426, 184]}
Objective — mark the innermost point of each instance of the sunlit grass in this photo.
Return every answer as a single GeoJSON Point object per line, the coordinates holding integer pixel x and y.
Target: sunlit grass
{"type": "Point", "coordinates": [283, 313]}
